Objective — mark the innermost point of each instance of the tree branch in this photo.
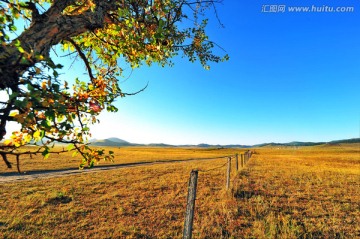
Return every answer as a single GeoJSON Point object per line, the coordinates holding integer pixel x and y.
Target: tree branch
{"type": "Point", "coordinates": [83, 57]}
{"type": "Point", "coordinates": [135, 93]}
{"type": "Point", "coordinates": [35, 15]}
{"type": "Point", "coordinates": [30, 153]}
{"type": "Point", "coordinates": [4, 157]}
{"type": "Point", "coordinates": [5, 117]}
{"type": "Point", "coordinates": [18, 163]}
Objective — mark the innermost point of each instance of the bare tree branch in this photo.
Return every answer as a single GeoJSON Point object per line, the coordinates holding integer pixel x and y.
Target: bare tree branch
{"type": "Point", "coordinates": [83, 57]}
{"type": "Point", "coordinates": [135, 93]}
{"type": "Point", "coordinates": [4, 157]}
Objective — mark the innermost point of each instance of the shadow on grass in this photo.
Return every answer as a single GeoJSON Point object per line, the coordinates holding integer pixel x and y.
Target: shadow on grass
{"type": "Point", "coordinates": [60, 199]}
{"type": "Point", "coordinates": [242, 194]}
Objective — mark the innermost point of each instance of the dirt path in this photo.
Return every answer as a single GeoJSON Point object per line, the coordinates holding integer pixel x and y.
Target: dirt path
{"type": "Point", "coordinates": [32, 175]}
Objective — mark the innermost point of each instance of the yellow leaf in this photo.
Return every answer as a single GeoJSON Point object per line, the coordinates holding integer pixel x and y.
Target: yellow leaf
{"type": "Point", "coordinates": [14, 113]}
{"type": "Point", "coordinates": [8, 142]}
{"type": "Point", "coordinates": [43, 85]}
{"type": "Point", "coordinates": [27, 138]}
{"type": "Point", "coordinates": [17, 144]}
{"type": "Point", "coordinates": [36, 136]}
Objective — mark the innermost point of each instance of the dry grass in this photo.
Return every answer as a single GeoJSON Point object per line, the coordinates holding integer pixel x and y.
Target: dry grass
{"type": "Point", "coordinates": [123, 155]}
{"type": "Point", "coordinates": [142, 202]}
{"type": "Point", "coordinates": [301, 193]}
{"type": "Point", "coordinates": [282, 193]}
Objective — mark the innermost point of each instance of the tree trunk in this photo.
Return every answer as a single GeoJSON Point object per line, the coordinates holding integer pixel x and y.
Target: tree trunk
{"type": "Point", "coordinates": [45, 31]}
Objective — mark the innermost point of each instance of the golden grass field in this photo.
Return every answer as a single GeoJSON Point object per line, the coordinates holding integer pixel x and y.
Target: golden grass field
{"type": "Point", "coordinates": [309, 192]}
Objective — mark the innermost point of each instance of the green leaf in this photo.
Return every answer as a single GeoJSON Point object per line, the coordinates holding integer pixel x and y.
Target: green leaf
{"type": "Point", "coordinates": [17, 43]}
{"type": "Point", "coordinates": [46, 153]}
{"type": "Point", "coordinates": [82, 165]}
{"type": "Point", "coordinates": [74, 154]}
{"type": "Point", "coordinates": [70, 147]}
{"type": "Point", "coordinates": [12, 28]}
{"type": "Point", "coordinates": [21, 50]}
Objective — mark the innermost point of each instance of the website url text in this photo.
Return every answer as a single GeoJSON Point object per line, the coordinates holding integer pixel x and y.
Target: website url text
{"type": "Point", "coordinates": [313, 8]}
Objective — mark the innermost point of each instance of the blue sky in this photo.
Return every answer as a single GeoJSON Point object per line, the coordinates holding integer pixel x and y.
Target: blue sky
{"type": "Point", "coordinates": [291, 77]}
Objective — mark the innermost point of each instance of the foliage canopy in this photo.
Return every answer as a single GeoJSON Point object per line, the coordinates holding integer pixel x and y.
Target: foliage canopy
{"type": "Point", "coordinates": [101, 34]}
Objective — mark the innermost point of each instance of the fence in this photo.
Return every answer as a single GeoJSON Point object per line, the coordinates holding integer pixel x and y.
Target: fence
{"type": "Point", "coordinates": [192, 188]}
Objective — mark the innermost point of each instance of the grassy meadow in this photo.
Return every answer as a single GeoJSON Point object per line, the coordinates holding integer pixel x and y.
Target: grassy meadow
{"type": "Point", "coordinates": [308, 192]}
{"type": "Point", "coordinates": [123, 155]}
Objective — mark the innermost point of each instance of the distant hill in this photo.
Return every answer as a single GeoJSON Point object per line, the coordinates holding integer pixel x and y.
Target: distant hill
{"type": "Point", "coordinates": [345, 141]}
{"type": "Point", "coordinates": [222, 146]}
{"type": "Point", "coordinates": [159, 145]}
{"type": "Point", "coordinates": [296, 143]}
{"type": "Point", "coordinates": [110, 142]}
{"type": "Point", "coordinates": [116, 142]}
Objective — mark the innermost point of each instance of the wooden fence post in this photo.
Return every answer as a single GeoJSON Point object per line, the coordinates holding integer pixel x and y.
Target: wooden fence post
{"type": "Point", "coordinates": [228, 174]}
{"type": "Point", "coordinates": [190, 206]}
{"type": "Point", "coordinates": [242, 160]}
{"type": "Point", "coordinates": [237, 162]}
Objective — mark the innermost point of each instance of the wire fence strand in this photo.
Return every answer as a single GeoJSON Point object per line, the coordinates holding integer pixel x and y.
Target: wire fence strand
{"type": "Point", "coordinates": [212, 169]}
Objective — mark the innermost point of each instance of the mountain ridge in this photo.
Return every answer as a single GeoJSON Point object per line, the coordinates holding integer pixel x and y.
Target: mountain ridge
{"type": "Point", "coordinates": [114, 141]}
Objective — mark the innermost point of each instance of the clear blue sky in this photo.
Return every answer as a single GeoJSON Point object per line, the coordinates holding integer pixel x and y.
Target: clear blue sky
{"type": "Point", "coordinates": [291, 77]}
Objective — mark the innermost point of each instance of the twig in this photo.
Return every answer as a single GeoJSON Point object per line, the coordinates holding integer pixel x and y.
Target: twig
{"type": "Point", "coordinates": [135, 93]}
{"type": "Point", "coordinates": [83, 57]}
